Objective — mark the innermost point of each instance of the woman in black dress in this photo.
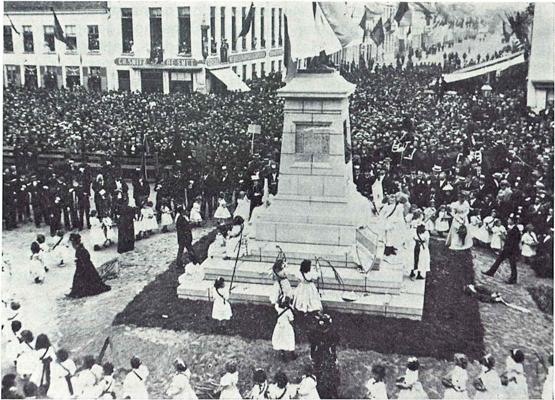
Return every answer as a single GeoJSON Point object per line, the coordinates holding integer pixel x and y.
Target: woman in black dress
{"type": "Point", "coordinates": [86, 281]}
{"type": "Point", "coordinates": [126, 229]}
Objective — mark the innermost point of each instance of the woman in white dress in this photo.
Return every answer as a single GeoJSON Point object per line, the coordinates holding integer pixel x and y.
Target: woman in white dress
{"type": "Point", "coordinates": [498, 235]}
{"type": "Point", "coordinates": [517, 387]}
{"type": "Point", "coordinates": [243, 207]}
{"type": "Point", "coordinates": [393, 216]}
{"type": "Point", "coordinates": [222, 213]}
{"type": "Point", "coordinates": [221, 309]}
{"type": "Point", "coordinates": [484, 233]}
{"type": "Point", "coordinates": [228, 383]}
{"type": "Point", "coordinates": [421, 253]}
{"type": "Point", "coordinates": [459, 237]}
{"type": "Point", "coordinates": [430, 216]}
{"type": "Point", "coordinates": [488, 384]}
{"type": "Point", "coordinates": [134, 384]}
{"type": "Point", "coordinates": [260, 389]}
{"type": "Point", "coordinates": [107, 227]}
{"type": "Point", "coordinates": [409, 384]}
{"type": "Point", "coordinates": [456, 381]}
{"type": "Point", "coordinates": [529, 243]}
{"type": "Point", "coordinates": [61, 374]}
{"type": "Point", "coordinates": [283, 338]}
{"type": "Point", "coordinates": [306, 296]}
{"type": "Point", "coordinates": [180, 385]}
{"type": "Point", "coordinates": [377, 190]}
{"type": "Point", "coordinates": [97, 237]}
{"type": "Point", "coordinates": [375, 387]}
{"type": "Point", "coordinates": [307, 387]}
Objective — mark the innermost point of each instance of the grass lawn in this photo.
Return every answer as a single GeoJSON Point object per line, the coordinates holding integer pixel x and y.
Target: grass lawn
{"type": "Point", "coordinates": [451, 321]}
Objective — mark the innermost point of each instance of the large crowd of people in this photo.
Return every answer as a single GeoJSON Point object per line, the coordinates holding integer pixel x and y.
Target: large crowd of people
{"type": "Point", "coordinates": [477, 168]}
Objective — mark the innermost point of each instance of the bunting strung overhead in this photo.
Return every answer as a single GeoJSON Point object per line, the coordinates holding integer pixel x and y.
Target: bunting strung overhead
{"type": "Point", "coordinates": [377, 33]}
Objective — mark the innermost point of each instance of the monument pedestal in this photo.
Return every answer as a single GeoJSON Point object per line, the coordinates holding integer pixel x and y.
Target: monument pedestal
{"type": "Point", "coordinates": [318, 212]}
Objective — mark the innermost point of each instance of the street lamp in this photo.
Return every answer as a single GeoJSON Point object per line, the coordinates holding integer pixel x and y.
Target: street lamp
{"type": "Point", "coordinates": [486, 90]}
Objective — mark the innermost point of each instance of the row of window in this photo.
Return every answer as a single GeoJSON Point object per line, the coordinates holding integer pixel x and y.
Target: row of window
{"type": "Point", "coordinates": [51, 74]}
{"type": "Point", "coordinates": [49, 38]}
{"type": "Point", "coordinates": [254, 71]}
{"type": "Point", "coordinates": [209, 43]}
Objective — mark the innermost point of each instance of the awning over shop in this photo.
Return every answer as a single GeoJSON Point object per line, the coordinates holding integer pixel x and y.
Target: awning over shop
{"type": "Point", "coordinates": [500, 64]}
{"type": "Point", "coordinates": [230, 79]}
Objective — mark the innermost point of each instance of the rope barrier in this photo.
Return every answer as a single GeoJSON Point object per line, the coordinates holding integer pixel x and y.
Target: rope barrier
{"type": "Point", "coordinates": [236, 259]}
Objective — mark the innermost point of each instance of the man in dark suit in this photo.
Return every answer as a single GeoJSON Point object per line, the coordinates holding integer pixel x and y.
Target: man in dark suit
{"type": "Point", "coordinates": [184, 237]}
{"type": "Point", "coordinates": [510, 251]}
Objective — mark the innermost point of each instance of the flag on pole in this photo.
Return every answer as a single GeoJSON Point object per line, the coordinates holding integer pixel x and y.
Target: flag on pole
{"type": "Point", "coordinates": [364, 19]}
{"type": "Point", "coordinates": [401, 11]}
{"type": "Point", "coordinates": [377, 34]}
{"type": "Point", "coordinates": [247, 22]}
{"type": "Point", "coordinates": [409, 31]}
{"type": "Point", "coordinates": [347, 31]}
{"type": "Point", "coordinates": [58, 31]}
{"type": "Point", "coordinates": [12, 24]}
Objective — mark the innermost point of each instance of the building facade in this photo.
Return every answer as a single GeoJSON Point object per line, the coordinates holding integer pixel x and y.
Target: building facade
{"type": "Point", "coordinates": [147, 46]}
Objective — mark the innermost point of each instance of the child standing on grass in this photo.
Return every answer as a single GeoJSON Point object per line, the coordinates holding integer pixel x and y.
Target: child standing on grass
{"type": "Point", "coordinates": [97, 231]}
{"type": "Point", "coordinates": [148, 219]}
{"type": "Point", "coordinates": [282, 286]}
{"type": "Point", "coordinates": [307, 298]}
{"type": "Point", "coordinates": [456, 381]}
{"type": "Point", "coordinates": [134, 384]}
{"type": "Point", "coordinates": [421, 252]}
{"type": "Point", "coordinates": [283, 338]}
{"type": "Point", "coordinates": [221, 309]}
{"type": "Point", "coordinates": [430, 217]}
{"type": "Point", "coordinates": [375, 387]}
{"type": "Point", "coordinates": [228, 382]}
{"type": "Point", "coordinates": [195, 214]}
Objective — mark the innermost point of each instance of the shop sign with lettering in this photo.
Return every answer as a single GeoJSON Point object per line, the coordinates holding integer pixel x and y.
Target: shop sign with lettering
{"type": "Point", "coordinates": [173, 62]}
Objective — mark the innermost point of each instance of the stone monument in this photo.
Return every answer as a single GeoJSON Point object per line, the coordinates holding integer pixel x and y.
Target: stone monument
{"type": "Point", "coordinates": [317, 213]}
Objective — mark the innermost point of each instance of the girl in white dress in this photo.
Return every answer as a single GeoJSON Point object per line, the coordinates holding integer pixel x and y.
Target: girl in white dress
{"type": "Point", "coordinates": [421, 253]}
{"type": "Point", "coordinates": [195, 215]}
{"type": "Point", "coordinates": [517, 387]}
{"type": "Point", "coordinates": [148, 219]}
{"type": "Point", "coordinates": [107, 227]}
{"type": "Point", "coordinates": [166, 219]}
{"type": "Point", "coordinates": [409, 385]}
{"type": "Point", "coordinates": [96, 231]}
{"type": "Point", "coordinates": [430, 216]}
{"type": "Point", "coordinates": [180, 385]}
{"type": "Point", "coordinates": [474, 227]}
{"type": "Point", "coordinates": [307, 387]}
{"type": "Point", "coordinates": [134, 384]}
{"type": "Point", "coordinates": [281, 287]}
{"type": "Point", "coordinates": [235, 240]}
{"type": "Point", "coordinates": [260, 389]}
{"type": "Point", "coordinates": [488, 384]}
{"type": "Point", "coordinates": [45, 355]}
{"type": "Point", "coordinates": [485, 231]}
{"type": "Point", "coordinates": [61, 374]}
{"type": "Point", "coordinates": [529, 243]}
{"type": "Point", "coordinates": [458, 239]}
{"type": "Point", "coordinates": [307, 298]}
{"type": "Point", "coordinates": [26, 362]}
{"type": "Point", "coordinates": [375, 387]}
{"type": "Point", "coordinates": [442, 220]}
{"type": "Point", "coordinates": [280, 388]}
{"type": "Point", "coordinates": [222, 213]}
{"type": "Point", "coordinates": [36, 264]}
{"type": "Point", "coordinates": [45, 252]}
{"type": "Point", "coordinates": [243, 206]}
{"type": "Point", "coordinates": [60, 251]}
{"type": "Point", "coordinates": [105, 387]}
{"type": "Point", "coordinates": [228, 383]}
{"type": "Point", "coordinates": [283, 338]}
{"type": "Point", "coordinates": [498, 234]}
{"type": "Point", "coordinates": [221, 308]}
{"type": "Point", "coordinates": [456, 381]}
{"type": "Point", "coordinates": [10, 336]}
{"type": "Point", "coordinates": [377, 190]}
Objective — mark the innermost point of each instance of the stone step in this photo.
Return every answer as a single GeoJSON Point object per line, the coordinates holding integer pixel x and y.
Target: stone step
{"type": "Point", "coordinates": [404, 305]}
{"type": "Point", "coordinates": [387, 280]}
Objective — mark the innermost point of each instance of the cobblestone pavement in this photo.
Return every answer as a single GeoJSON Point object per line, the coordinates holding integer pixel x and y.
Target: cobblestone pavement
{"type": "Point", "coordinates": [81, 326]}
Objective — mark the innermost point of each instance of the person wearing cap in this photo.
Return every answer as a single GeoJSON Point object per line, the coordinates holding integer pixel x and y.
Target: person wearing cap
{"type": "Point", "coordinates": [86, 280]}
{"type": "Point", "coordinates": [273, 179]}
{"type": "Point", "coordinates": [134, 384]}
